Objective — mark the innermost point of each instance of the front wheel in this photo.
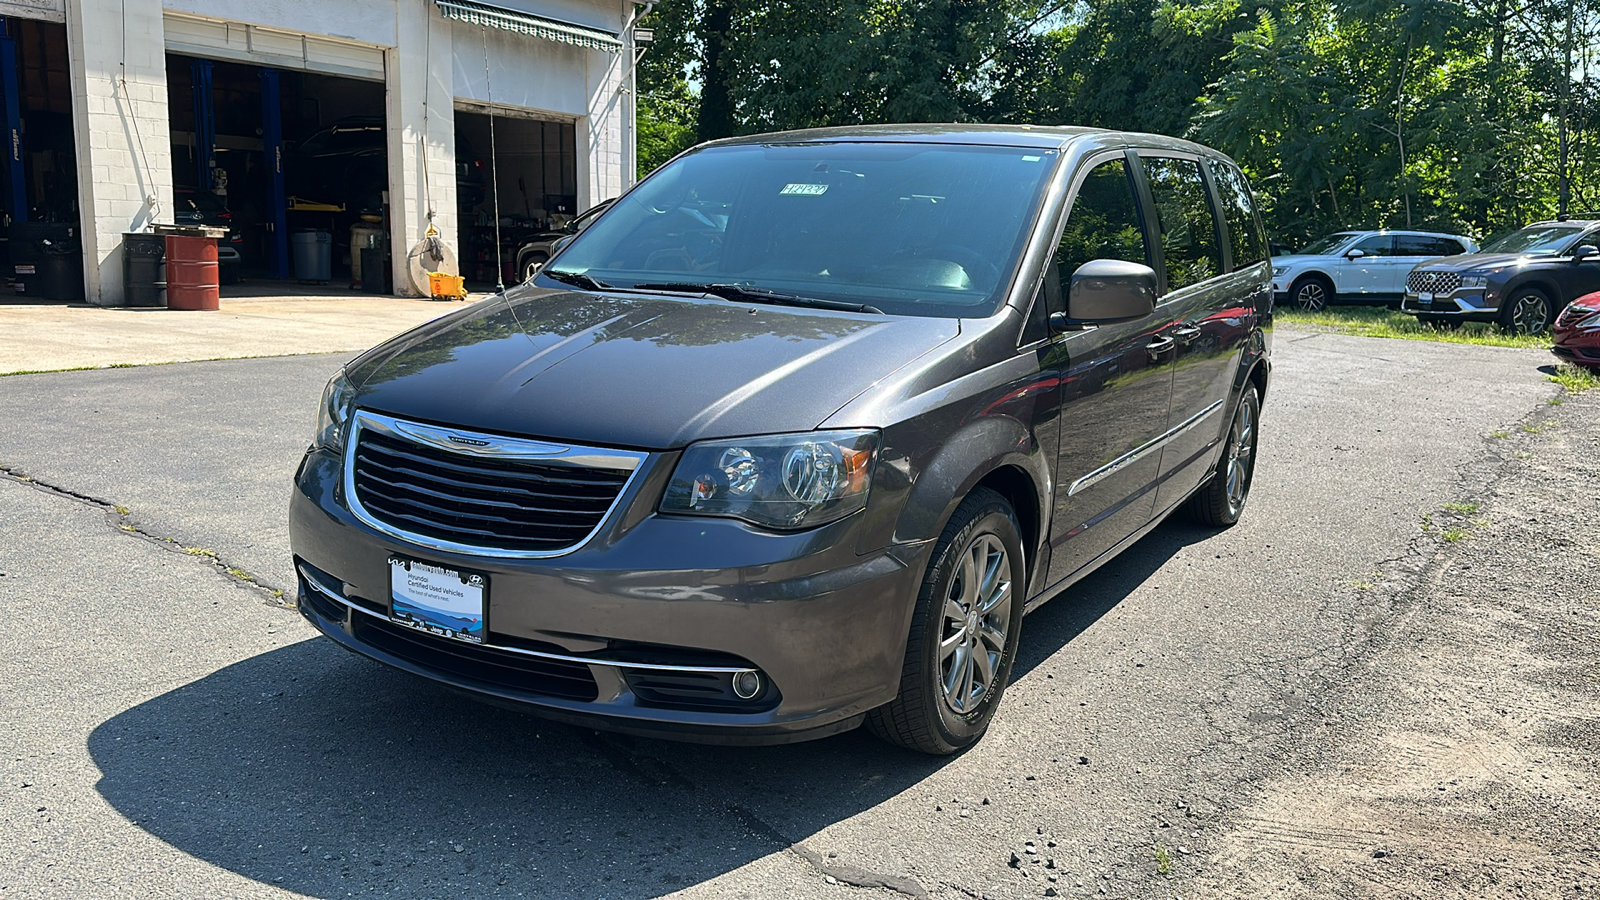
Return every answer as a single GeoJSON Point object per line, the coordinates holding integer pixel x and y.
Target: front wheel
{"type": "Point", "coordinates": [1220, 501]}
{"type": "Point", "coordinates": [1527, 311]}
{"type": "Point", "coordinates": [963, 633]}
{"type": "Point", "coordinates": [1311, 293]}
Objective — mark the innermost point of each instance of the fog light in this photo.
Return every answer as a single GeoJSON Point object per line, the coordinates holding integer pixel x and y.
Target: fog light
{"type": "Point", "coordinates": [746, 684]}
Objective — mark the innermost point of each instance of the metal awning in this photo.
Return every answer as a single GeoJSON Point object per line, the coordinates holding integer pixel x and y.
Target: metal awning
{"type": "Point", "coordinates": [488, 16]}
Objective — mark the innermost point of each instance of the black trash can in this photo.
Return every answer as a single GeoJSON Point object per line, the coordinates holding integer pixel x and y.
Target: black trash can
{"type": "Point", "coordinates": [47, 259]}
{"type": "Point", "coordinates": [374, 270]}
{"type": "Point", "coordinates": [144, 283]}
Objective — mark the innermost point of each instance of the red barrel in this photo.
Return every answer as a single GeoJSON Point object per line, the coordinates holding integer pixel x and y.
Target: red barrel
{"type": "Point", "coordinates": [192, 277]}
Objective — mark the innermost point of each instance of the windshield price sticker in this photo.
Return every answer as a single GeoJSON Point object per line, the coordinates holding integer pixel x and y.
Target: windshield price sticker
{"type": "Point", "coordinates": [804, 190]}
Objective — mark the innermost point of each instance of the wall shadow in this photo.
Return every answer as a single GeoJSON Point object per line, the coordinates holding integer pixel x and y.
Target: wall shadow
{"type": "Point", "coordinates": [316, 770]}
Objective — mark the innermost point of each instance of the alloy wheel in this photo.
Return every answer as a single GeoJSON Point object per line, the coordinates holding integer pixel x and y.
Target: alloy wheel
{"type": "Point", "coordinates": [1530, 314]}
{"type": "Point", "coordinates": [977, 620]}
{"type": "Point", "coordinates": [1241, 456]}
{"type": "Point", "coordinates": [1311, 297]}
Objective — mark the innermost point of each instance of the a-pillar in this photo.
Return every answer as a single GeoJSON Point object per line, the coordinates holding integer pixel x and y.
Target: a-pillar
{"type": "Point", "coordinates": [422, 136]}
{"type": "Point", "coordinates": [117, 52]}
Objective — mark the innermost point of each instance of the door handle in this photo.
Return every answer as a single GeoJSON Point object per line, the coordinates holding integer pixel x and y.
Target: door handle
{"type": "Point", "coordinates": [1160, 346]}
{"type": "Point", "coordinates": [1187, 334]}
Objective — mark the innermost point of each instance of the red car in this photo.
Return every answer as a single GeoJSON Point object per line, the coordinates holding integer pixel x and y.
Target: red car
{"type": "Point", "coordinates": [1577, 332]}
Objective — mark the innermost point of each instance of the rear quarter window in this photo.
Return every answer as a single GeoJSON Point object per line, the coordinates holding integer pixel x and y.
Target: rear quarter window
{"type": "Point", "coordinates": [1245, 238]}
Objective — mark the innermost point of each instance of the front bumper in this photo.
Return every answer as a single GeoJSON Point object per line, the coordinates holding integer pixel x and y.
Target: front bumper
{"type": "Point", "coordinates": [1464, 303]}
{"type": "Point", "coordinates": [577, 637]}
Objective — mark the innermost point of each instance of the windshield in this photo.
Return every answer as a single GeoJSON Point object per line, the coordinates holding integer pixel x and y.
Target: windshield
{"type": "Point", "coordinates": [1328, 244]}
{"type": "Point", "coordinates": [910, 229]}
{"type": "Point", "coordinates": [1540, 239]}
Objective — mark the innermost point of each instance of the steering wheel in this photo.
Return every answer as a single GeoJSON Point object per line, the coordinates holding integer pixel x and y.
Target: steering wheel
{"type": "Point", "coordinates": [979, 269]}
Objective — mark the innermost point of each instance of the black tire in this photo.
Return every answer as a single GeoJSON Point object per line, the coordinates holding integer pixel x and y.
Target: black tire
{"type": "Point", "coordinates": [1220, 501]}
{"type": "Point", "coordinates": [923, 717]}
{"type": "Point", "coordinates": [1527, 310]}
{"type": "Point", "coordinates": [1311, 293]}
{"type": "Point", "coordinates": [530, 266]}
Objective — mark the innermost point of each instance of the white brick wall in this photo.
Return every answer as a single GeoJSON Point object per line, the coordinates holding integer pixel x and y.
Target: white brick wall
{"type": "Point", "coordinates": [415, 78]}
{"type": "Point", "coordinates": [120, 115]}
{"type": "Point", "coordinates": [124, 148]}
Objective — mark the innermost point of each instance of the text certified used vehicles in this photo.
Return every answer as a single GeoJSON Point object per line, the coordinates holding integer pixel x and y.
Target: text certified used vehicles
{"type": "Point", "coordinates": [1358, 266]}
{"type": "Point", "coordinates": [791, 437]}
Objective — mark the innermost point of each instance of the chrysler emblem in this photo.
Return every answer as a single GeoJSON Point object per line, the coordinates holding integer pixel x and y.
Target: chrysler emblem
{"type": "Point", "coordinates": [471, 442]}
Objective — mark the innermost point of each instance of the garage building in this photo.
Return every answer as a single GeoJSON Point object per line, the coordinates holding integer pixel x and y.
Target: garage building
{"type": "Point", "coordinates": [353, 125]}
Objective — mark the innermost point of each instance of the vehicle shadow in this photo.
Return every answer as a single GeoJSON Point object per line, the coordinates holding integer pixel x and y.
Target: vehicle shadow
{"type": "Point", "coordinates": [321, 772]}
{"type": "Point", "coordinates": [1072, 611]}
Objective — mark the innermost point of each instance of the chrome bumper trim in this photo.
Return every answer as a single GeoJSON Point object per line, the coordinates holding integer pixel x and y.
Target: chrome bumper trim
{"type": "Point", "coordinates": [1137, 453]}
{"type": "Point", "coordinates": [331, 593]}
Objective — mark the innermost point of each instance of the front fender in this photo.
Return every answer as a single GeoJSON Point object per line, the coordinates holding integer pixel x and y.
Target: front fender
{"type": "Point", "coordinates": [951, 471]}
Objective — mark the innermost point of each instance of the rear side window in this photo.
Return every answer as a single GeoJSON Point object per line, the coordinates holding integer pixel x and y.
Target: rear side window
{"type": "Point", "coordinates": [1426, 245]}
{"type": "Point", "coordinates": [1239, 211]}
{"type": "Point", "coordinates": [1188, 223]}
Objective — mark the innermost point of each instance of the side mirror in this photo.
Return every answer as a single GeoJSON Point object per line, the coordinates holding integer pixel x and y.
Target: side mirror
{"type": "Point", "coordinates": [1354, 255]}
{"type": "Point", "coordinates": [1105, 291]}
{"type": "Point", "coordinates": [559, 243]}
{"type": "Point", "coordinates": [1585, 252]}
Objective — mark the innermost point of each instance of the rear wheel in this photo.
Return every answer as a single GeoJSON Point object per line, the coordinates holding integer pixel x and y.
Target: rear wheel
{"type": "Point", "coordinates": [1311, 293]}
{"type": "Point", "coordinates": [1527, 311]}
{"type": "Point", "coordinates": [1221, 500]}
{"type": "Point", "coordinates": [963, 633]}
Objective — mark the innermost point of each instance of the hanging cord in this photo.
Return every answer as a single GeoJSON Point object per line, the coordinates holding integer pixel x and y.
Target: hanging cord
{"type": "Point", "coordinates": [494, 169]}
{"type": "Point", "coordinates": [427, 90]}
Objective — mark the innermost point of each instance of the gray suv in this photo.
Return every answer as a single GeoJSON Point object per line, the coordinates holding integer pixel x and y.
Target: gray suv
{"type": "Point", "coordinates": [1520, 281]}
{"type": "Point", "coordinates": [791, 437]}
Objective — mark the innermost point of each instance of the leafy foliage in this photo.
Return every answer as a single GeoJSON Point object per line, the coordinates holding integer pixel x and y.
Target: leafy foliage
{"type": "Point", "coordinates": [1440, 114]}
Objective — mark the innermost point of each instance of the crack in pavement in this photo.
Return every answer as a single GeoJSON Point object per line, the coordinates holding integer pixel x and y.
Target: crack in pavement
{"type": "Point", "coordinates": [119, 518]}
{"type": "Point", "coordinates": [844, 874]}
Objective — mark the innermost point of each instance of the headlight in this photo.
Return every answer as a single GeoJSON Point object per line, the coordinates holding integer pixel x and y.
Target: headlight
{"type": "Point", "coordinates": [787, 481]}
{"type": "Point", "coordinates": [1277, 271]}
{"type": "Point", "coordinates": [1474, 281]}
{"type": "Point", "coordinates": [334, 413]}
{"type": "Point", "coordinates": [1592, 320]}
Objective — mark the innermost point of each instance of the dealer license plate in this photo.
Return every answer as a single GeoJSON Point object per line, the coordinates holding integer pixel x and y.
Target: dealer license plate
{"type": "Point", "coordinates": [1424, 298]}
{"type": "Point", "coordinates": [437, 600]}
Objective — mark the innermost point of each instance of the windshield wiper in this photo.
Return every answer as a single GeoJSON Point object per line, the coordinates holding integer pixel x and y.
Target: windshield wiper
{"type": "Point", "coordinates": [578, 279]}
{"type": "Point", "coordinates": [758, 295]}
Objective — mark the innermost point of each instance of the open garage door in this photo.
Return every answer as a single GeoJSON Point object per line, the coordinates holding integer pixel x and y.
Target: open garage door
{"type": "Point", "coordinates": [217, 39]}
{"type": "Point", "coordinates": [293, 163]}
{"type": "Point", "coordinates": [536, 161]}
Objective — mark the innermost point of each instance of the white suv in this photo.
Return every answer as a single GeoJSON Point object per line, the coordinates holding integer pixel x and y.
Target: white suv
{"type": "Point", "coordinates": [1358, 266]}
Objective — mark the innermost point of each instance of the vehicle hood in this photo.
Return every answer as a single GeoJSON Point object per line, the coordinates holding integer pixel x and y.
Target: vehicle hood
{"type": "Point", "coordinates": [637, 371]}
{"type": "Point", "coordinates": [1471, 262]}
{"type": "Point", "coordinates": [1299, 259]}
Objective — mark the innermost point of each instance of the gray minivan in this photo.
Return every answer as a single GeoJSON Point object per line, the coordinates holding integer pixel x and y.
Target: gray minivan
{"type": "Point", "coordinates": [792, 436]}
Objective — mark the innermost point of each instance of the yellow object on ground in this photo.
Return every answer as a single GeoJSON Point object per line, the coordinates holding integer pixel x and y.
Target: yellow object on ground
{"type": "Point", "coordinates": [446, 287]}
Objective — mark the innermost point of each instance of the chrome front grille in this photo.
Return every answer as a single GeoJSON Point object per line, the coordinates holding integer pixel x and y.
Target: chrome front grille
{"type": "Point", "coordinates": [1425, 282]}
{"type": "Point", "coordinates": [1572, 315]}
{"type": "Point", "coordinates": [480, 494]}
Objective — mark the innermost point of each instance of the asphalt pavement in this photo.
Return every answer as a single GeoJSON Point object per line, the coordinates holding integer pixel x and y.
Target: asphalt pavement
{"type": "Point", "coordinates": [169, 728]}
